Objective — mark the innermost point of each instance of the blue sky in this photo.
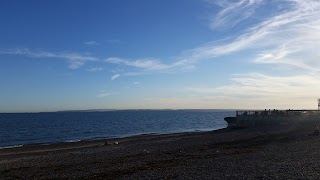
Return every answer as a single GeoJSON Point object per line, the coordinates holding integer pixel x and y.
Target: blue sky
{"type": "Point", "coordinates": [150, 54]}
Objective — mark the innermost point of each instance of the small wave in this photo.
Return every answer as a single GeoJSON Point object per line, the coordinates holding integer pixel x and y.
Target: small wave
{"type": "Point", "coordinates": [9, 147]}
{"type": "Point", "coordinates": [70, 141]}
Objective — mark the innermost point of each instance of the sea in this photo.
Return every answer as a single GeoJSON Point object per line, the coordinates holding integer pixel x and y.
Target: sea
{"type": "Point", "coordinates": [20, 129]}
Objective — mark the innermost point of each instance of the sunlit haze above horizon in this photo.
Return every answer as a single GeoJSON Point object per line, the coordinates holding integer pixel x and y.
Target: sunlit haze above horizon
{"type": "Point", "coordinates": [151, 54]}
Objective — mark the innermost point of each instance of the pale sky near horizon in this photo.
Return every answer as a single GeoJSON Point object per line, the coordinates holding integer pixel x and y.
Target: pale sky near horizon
{"type": "Point", "coordinates": [151, 54]}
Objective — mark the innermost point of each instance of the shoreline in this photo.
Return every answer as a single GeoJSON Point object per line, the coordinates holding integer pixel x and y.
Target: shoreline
{"type": "Point", "coordinates": [95, 142]}
{"type": "Point", "coordinates": [101, 139]}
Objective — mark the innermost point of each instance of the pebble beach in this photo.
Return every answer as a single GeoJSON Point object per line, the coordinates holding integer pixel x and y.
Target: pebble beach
{"type": "Point", "coordinates": [281, 152]}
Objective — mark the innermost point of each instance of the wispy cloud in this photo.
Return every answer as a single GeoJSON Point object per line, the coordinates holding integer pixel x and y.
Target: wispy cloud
{"type": "Point", "coordinates": [288, 37]}
{"type": "Point", "coordinates": [136, 83]}
{"type": "Point", "coordinates": [103, 93]}
{"type": "Point", "coordinates": [75, 60]}
{"type": "Point", "coordinates": [150, 65]}
{"type": "Point", "coordinates": [95, 69]}
{"type": "Point", "coordinates": [91, 43]}
{"type": "Point", "coordinates": [285, 38]}
{"type": "Point", "coordinates": [254, 84]}
{"type": "Point", "coordinates": [233, 12]}
{"type": "Point", "coordinates": [115, 76]}
{"type": "Point", "coordinates": [259, 90]}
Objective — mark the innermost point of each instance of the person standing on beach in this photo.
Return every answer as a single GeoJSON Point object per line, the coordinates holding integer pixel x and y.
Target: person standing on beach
{"type": "Point", "coordinates": [316, 130]}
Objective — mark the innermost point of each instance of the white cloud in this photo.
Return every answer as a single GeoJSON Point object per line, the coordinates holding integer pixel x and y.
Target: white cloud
{"type": "Point", "coordinates": [233, 13]}
{"type": "Point", "coordinates": [95, 69]}
{"type": "Point", "coordinates": [115, 76]}
{"type": "Point", "coordinates": [261, 91]}
{"type": "Point", "coordinates": [259, 84]}
{"type": "Point", "coordinates": [91, 43]}
{"type": "Point", "coordinates": [136, 83]}
{"type": "Point", "coordinates": [75, 60]}
{"type": "Point", "coordinates": [149, 64]}
{"type": "Point", "coordinates": [102, 95]}
{"type": "Point", "coordinates": [288, 38]}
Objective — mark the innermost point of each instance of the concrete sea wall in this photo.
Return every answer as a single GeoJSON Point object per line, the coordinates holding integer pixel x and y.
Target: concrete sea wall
{"type": "Point", "coordinates": [260, 120]}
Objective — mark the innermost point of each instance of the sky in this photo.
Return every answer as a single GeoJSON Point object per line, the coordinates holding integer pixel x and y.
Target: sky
{"type": "Point", "coordinates": [151, 54]}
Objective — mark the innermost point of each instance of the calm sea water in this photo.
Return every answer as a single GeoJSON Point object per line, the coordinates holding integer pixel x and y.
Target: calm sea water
{"type": "Point", "coordinates": [18, 129]}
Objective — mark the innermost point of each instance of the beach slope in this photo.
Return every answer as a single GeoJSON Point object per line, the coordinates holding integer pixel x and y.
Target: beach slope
{"type": "Point", "coordinates": [255, 153]}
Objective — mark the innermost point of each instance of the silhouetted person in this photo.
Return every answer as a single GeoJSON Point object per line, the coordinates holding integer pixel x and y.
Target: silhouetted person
{"type": "Point", "coordinates": [316, 131]}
